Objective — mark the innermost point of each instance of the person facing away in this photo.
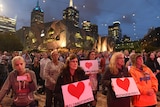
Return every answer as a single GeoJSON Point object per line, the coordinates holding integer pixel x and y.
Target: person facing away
{"type": "Point", "coordinates": [70, 73]}
{"type": "Point", "coordinates": [115, 69]}
{"type": "Point", "coordinates": [146, 82]}
{"type": "Point", "coordinates": [23, 83]}
{"type": "Point", "coordinates": [51, 72]}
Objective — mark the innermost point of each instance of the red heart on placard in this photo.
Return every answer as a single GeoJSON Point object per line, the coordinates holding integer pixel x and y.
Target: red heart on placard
{"type": "Point", "coordinates": [124, 84]}
{"type": "Point", "coordinates": [88, 64]}
{"type": "Point", "coordinates": [76, 91]}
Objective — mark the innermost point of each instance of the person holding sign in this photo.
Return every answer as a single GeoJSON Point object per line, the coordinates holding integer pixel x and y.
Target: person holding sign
{"type": "Point", "coordinates": [115, 69]}
{"type": "Point", "coordinates": [146, 82]}
{"type": "Point", "coordinates": [93, 76]}
{"type": "Point", "coordinates": [70, 73]}
{"type": "Point", "coordinates": [23, 83]}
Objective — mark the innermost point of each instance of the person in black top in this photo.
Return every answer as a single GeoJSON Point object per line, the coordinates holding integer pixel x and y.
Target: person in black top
{"type": "Point", "coordinates": [70, 73]}
{"type": "Point", "coordinates": [154, 66]}
{"type": "Point", "coordinates": [116, 69]}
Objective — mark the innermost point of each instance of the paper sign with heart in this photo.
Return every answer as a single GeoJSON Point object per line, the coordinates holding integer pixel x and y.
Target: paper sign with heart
{"type": "Point", "coordinates": [124, 84]}
{"type": "Point", "coordinates": [88, 64]}
{"type": "Point", "coordinates": [76, 91]}
{"type": "Point", "coordinates": [124, 87]}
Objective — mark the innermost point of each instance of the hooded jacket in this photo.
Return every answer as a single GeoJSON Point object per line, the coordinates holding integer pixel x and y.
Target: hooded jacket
{"type": "Point", "coordinates": [145, 80]}
{"type": "Point", "coordinates": [23, 91]}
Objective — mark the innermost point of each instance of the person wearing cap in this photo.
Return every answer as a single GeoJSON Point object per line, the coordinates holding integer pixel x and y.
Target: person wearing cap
{"type": "Point", "coordinates": [146, 82]}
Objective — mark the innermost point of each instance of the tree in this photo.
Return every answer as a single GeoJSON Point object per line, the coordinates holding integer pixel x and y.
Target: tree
{"type": "Point", "coordinates": [9, 42]}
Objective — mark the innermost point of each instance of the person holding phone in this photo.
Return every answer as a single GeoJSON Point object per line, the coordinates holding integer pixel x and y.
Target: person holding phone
{"type": "Point", "coordinates": [23, 83]}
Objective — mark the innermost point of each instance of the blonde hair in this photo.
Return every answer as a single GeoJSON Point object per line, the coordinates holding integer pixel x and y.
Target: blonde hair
{"type": "Point", "coordinates": [134, 58]}
{"type": "Point", "coordinates": [113, 62]}
{"type": "Point", "coordinates": [15, 59]}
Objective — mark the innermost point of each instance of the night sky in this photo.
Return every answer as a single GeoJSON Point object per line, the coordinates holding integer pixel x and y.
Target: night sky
{"type": "Point", "coordinates": [135, 16]}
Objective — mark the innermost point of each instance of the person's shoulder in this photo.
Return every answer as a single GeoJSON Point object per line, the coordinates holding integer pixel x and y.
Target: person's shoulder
{"type": "Point", "coordinates": [49, 63]}
{"type": "Point", "coordinates": [62, 63]}
{"type": "Point", "coordinates": [132, 69]}
{"type": "Point", "coordinates": [30, 71]}
{"type": "Point", "coordinates": [13, 72]}
{"type": "Point", "coordinates": [80, 68]}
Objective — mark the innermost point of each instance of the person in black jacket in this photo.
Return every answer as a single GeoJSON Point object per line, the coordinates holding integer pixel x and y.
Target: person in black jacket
{"type": "Point", "coordinates": [116, 69]}
{"type": "Point", "coordinates": [154, 66]}
{"type": "Point", "coordinates": [70, 73]}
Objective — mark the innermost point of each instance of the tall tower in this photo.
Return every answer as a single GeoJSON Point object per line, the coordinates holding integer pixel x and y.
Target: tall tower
{"type": "Point", "coordinates": [71, 14]}
{"type": "Point", "coordinates": [115, 31]}
{"type": "Point", "coordinates": [71, 3]}
{"type": "Point", "coordinates": [37, 15]}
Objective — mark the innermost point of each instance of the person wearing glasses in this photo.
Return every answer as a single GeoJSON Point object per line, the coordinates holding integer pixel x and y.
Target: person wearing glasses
{"type": "Point", "coordinates": [70, 73]}
{"type": "Point", "coordinates": [115, 69]}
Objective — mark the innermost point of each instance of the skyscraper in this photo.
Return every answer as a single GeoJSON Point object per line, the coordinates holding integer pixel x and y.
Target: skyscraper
{"type": "Point", "coordinates": [7, 24]}
{"type": "Point", "coordinates": [115, 31]}
{"type": "Point", "coordinates": [71, 14]}
{"type": "Point", "coordinates": [37, 15]}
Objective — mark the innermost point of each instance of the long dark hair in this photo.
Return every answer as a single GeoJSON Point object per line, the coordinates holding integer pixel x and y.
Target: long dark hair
{"type": "Point", "coordinates": [78, 72]}
{"type": "Point", "coordinates": [90, 54]}
{"type": "Point", "coordinates": [69, 58]}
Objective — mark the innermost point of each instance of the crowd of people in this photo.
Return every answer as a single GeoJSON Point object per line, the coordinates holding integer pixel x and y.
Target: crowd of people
{"type": "Point", "coordinates": [24, 74]}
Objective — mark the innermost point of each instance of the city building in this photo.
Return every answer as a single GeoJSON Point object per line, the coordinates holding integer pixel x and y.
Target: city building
{"type": "Point", "coordinates": [86, 25]}
{"type": "Point", "coordinates": [71, 14]}
{"type": "Point", "coordinates": [31, 37]}
{"type": "Point", "coordinates": [94, 30]}
{"type": "Point", "coordinates": [115, 31]}
{"type": "Point", "coordinates": [60, 34]}
{"type": "Point", "coordinates": [126, 38]}
{"type": "Point", "coordinates": [7, 24]}
{"type": "Point", "coordinates": [37, 15]}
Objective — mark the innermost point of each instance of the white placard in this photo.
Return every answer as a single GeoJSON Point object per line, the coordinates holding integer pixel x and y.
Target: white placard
{"type": "Point", "coordinates": [22, 78]}
{"type": "Point", "coordinates": [124, 87]}
{"type": "Point", "coordinates": [77, 93]}
{"type": "Point", "coordinates": [89, 65]}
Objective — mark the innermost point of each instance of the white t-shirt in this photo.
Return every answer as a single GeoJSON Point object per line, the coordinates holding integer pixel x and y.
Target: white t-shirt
{"type": "Point", "coordinates": [158, 60]}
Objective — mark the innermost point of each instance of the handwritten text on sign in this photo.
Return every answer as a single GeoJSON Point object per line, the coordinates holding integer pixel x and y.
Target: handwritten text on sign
{"type": "Point", "coordinates": [77, 93]}
{"type": "Point", "coordinates": [125, 87]}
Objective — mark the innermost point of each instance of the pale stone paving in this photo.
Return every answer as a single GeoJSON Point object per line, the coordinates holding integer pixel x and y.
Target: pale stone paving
{"type": "Point", "coordinates": [41, 99]}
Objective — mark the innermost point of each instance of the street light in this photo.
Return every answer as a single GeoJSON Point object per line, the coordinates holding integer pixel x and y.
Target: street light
{"type": "Point", "coordinates": [1, 7]}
